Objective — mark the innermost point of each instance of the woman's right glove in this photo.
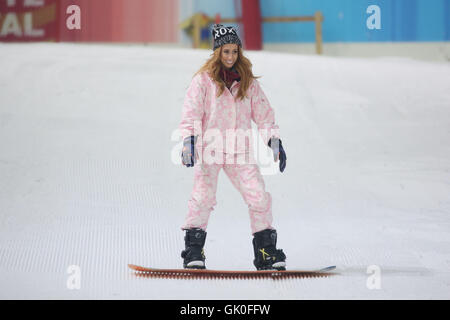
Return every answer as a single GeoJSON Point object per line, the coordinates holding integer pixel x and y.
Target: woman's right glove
{"type": "Point", "coordinates": [189, 154]}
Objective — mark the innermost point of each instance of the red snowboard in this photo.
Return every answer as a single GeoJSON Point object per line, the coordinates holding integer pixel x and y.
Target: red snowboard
{"type": "Point", "coordinates": [227, 274]}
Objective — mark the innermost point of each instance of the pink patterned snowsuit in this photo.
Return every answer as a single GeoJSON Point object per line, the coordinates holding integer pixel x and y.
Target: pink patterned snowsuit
{"type": "Point", "coordinates": [223, 127]}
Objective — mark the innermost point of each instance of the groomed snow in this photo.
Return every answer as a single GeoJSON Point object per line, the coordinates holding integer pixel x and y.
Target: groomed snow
{"type": "Point", "coordinates": [90, 175]}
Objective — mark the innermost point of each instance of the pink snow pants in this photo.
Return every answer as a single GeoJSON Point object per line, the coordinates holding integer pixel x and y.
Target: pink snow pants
{"type": "Point", "coordinates": [248, 181]}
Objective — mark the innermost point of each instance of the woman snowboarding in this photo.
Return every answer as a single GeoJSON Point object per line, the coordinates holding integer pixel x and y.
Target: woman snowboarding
{"type": "Point", "coordinates": [220, 103]}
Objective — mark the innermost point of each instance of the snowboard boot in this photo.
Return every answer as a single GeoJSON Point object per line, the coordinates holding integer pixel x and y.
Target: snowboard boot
{"type": "Point", "coordinates": [193, 255]}
{"type": "Point", "coordinates": [267, 256]}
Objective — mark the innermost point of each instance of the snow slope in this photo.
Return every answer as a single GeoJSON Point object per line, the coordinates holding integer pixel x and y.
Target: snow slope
{"type": "Point", "coordinates": [90, 175]}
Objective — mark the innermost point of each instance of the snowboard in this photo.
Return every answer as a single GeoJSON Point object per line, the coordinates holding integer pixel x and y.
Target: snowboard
{"type": "Point", "coordinates": [229, 274]}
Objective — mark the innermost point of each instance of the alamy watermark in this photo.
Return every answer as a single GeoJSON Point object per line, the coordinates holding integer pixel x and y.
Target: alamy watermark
{"type": "Point", "coordinates": [74, 20]}
{"type": "Point", "coordinates": [373, 22]}
{"type": "Point", "coordinates": [230, 146]}
{"type": "Point", "coordinates": [373, 282]}
{"type": "Point", "coordinates": [74, 279]}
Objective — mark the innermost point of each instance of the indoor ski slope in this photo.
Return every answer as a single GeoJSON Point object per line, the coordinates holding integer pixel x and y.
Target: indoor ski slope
{"type": "Point", "coordinates": [90, 176]}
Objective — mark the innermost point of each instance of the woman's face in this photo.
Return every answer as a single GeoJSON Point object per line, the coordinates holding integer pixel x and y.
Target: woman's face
{"type": "Point", "coordinates": [229, 54]}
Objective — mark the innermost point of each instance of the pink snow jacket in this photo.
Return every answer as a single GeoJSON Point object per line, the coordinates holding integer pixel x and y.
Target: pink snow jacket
{"type": "Point", "coordinates": [223, 124]}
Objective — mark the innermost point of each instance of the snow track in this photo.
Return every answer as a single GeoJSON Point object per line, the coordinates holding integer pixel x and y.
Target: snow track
{"type": "Point", "coordinates": [87, 178]}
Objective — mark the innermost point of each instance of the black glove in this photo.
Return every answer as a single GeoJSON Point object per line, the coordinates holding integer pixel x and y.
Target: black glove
{"type": "Point", "coordinates": [278, 152]}
{"type": "Point", "coordinates": [189, 154]}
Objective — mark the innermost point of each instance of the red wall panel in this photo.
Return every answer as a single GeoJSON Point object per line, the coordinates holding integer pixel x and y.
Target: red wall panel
{"type": "Point", "coordinates": [101, 20]}
{"type": "Point", "coordinates": [251, 19]}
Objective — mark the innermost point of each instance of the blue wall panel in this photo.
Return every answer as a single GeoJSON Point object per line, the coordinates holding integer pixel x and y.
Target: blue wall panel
{"type": "Point", "coordinates": [447, 20]}
{"type": "Point", "coordinates": [345, 20]}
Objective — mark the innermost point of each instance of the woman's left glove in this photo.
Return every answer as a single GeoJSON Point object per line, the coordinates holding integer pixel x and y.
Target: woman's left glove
{"type": "Point", "coordinates": [278, 152]}
{"type": "Point", "coordinates": [189, 154]}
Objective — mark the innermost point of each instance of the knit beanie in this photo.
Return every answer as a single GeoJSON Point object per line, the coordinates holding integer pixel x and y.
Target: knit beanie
{"type": "Point", "coordinates": [224, 35]}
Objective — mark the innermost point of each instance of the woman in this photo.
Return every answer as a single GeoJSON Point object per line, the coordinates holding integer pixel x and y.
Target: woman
{"type": "Point", "coordinates": [220, 103]}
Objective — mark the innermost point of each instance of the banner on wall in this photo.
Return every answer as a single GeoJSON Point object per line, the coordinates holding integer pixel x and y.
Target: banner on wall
{"type": "Point", "coordinates": [99, 20]}
{"type": "Point", "coordinates": [28, 20]}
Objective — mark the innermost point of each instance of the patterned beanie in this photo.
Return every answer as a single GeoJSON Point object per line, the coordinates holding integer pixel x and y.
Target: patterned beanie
{"type": "Point", "coordinates": [224, 35]}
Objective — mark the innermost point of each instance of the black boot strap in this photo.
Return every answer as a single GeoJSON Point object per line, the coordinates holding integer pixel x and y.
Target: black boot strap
{"type": "Point", "coordinates": [195, 237]}
{"type": "Point", "coordinates": [265, 238]}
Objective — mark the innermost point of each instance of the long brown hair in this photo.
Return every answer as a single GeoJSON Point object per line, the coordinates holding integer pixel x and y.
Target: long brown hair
{"type": "Point", "coordinates": [243, 66]}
